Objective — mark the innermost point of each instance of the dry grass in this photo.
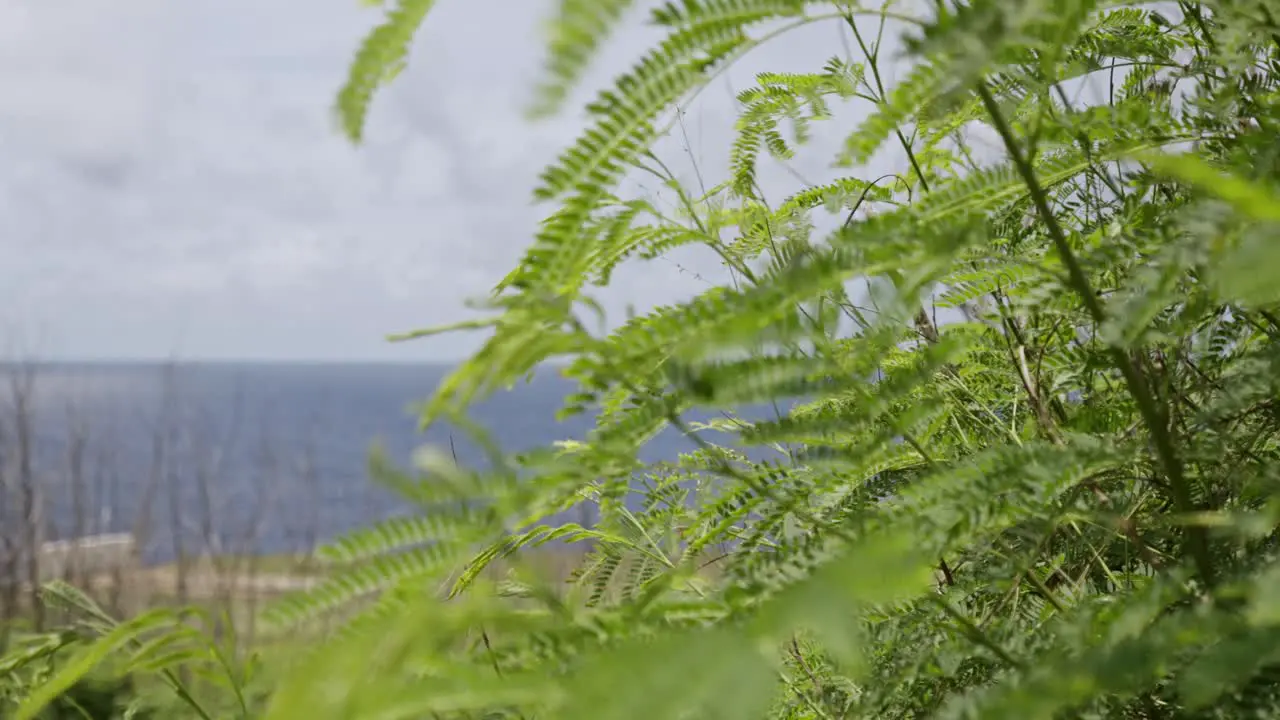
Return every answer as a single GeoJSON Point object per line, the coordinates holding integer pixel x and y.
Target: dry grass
{"type": "Point", "coordinates": [242, 587]}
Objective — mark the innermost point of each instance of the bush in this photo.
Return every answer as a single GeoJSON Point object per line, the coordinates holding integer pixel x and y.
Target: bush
{"type": "Point", "coordinates": [1061, 501]}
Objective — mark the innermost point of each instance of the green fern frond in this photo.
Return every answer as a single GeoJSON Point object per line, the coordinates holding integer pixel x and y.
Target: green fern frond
{"type": "Point", "coordinates": [624, 126]}
{"type": "Point", "coordinates": [381, 57]}
{"type": "Point", "coordinates": [342, 588]}
{"type": "Point", "coordinates": [924, 81]}
{"type": "Point", "coordinates": [905, 515]}
{"type": "Point", "coordinates": [397, 533]}
{"type": "Point", "coordinates": [688, 14]}
{"type": "Point", "coordinates": [577, 30]}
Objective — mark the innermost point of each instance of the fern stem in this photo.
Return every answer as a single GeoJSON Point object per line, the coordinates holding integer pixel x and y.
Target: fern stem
{"type": "Point", "coordinates": [712, 240]}
{"type": "Point", "coordinates": [1196, 543]}
{"type": "Point", "coordinates": [737, 54]}
{"type": "Point", "coordinates": [180, 689]}
{"type": "Point", "coordinates": [974, 633]}
{"type": "Point", "coordinates": [872, 60]}
{"type": "Point", "coordinates": [813, 679]}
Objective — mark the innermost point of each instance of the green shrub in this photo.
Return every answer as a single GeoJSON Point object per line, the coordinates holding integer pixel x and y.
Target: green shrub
{"type": "Point", "coordinates": [1061, 502]}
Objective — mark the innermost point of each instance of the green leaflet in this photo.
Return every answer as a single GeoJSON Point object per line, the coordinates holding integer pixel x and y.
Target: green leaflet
{"type": "Point", "coordinates": [962, 422]}
{"type": "Point", "coordinates": [1249, 198]}
{"type": "Point", "coordinates": [381, 57]}
{"type": "Point", "coordinates": [1246, 270]}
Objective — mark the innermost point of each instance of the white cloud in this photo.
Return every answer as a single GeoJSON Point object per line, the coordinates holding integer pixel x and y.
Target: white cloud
{"type": "Point", "coordinates": [173, 177]}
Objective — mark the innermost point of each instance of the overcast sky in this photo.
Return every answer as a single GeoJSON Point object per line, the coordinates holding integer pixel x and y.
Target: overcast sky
{"type": "Point", "coordinates": [172, 181]}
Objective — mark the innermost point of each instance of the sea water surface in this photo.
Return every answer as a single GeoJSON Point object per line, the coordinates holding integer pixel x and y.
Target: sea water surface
{"type": "Point", "coordinates": [244, 457]}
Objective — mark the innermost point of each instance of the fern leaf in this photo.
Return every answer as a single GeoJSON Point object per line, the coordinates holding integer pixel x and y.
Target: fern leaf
{"type": "Point", "coordinates": [380, 58]}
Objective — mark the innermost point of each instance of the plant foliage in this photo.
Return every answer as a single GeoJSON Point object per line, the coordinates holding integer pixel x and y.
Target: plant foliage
{"type": "Point", "coordinates": [1061, 500]}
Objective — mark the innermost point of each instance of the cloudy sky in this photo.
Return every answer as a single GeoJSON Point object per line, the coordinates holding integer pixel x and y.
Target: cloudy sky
{"type": "Point", "coordinates": [172, 181]}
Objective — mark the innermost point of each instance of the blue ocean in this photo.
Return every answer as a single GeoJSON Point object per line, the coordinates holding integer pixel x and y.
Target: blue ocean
{"type": "Point", "coordinates": [242, 458]}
